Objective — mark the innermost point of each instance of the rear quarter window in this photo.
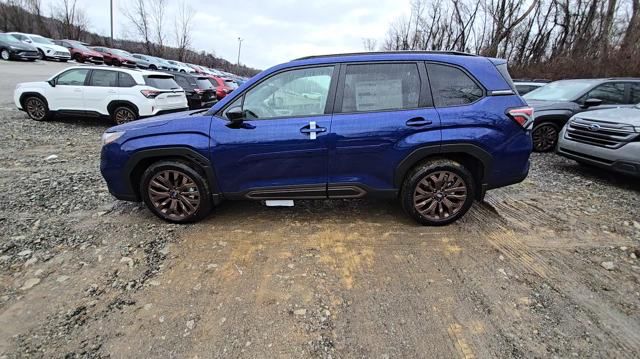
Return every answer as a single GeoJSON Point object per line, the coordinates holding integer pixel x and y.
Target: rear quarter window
{"type": "Point", "coordinates": [504, 71]}
{"type": "Point", "coordinates": [161, 82]}
{"type": "Point", "coordinates": [451, 86]}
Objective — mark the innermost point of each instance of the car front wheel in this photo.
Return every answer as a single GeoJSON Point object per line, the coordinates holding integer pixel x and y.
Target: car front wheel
{"type": "Point", "coordinates": [438, 192]}
{"type": "Point", "coordinates": [4, 54]}
{"type": "Point", "coordinates": [545, 137]}
{"type": "Point", "coordinates": [176, 192]}
{"type": "Point", "coordinates": [36, 108]}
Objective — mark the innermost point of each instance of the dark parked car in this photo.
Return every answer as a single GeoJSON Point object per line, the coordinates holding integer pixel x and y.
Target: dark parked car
{"type": "Point", "coordinates": [335, 126]}
{"type": "Point", "coordinates": [524, 86]}
{"type": "Point", "coordinates": [14, 49]}
{"type": "Point", "coordinates": [200, 92]}
{"type": "Point", "coordinates": [555, 103]}
{"type": "Point", "coordinates": [81, 53]}
{"type": "Point", "coordinates": [114, 58]}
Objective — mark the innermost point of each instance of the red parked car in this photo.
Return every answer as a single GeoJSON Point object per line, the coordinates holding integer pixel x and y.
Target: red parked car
{"type": "Point", "coordinates": [114, 59]}
{"type": "Point", "coordinates": [223, 85]}
{"type": "Point", "coordinates": [80, 52]}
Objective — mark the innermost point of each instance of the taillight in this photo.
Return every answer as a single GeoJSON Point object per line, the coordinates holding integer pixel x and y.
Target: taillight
{"type": "Point", "coordinates": [522, 115]}
{"type": "Point", "coordinates": [150, 93]}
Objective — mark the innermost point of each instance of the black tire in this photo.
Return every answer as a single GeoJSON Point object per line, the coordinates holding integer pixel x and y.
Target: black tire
{"type": "Point", "coordinates": [78, 58]}
{"type": "Point", "coordinates": [116, 63]}
{"type": "Point", "coordinates": [123, 114]}
{"type": "Point", "coordinates": [545, 136]}
{"type": "Point", "coordinates": [5, 55]}
{"type": "Point", "coordinates": [41, 53]}
{"type": "Point", "coordinates": [427, 201]}
{"type": "Point", "coordinates": [173, 205]}
{"type": "Point", "coordinates": [36, 108]}
{"type": "Point", "coordinates": [153, 67]}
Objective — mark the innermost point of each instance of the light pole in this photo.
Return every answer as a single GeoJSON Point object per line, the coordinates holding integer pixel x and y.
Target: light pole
{"type": "Point", "coordinates": [111, 14]}
{"type": "Point", "coordinates": [239, 47]}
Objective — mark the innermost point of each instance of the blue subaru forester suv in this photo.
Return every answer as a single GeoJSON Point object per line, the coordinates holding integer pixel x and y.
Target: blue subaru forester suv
{"type": "Point", "coordinates": [433, 129]}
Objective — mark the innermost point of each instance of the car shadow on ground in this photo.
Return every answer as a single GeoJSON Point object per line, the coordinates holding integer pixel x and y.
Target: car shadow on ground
{"type": "Point", "coordinates": [596, 174]}
{"type": "Point", "coordinates": [83, 121]}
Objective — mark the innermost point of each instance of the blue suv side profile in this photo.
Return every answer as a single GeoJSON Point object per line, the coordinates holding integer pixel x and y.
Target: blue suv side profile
{"type": "Point", "coordinates": [435, 130]}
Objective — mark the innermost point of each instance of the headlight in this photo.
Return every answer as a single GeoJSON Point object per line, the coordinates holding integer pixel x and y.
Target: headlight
{"type": "Point", "coordinates": [109, 137]}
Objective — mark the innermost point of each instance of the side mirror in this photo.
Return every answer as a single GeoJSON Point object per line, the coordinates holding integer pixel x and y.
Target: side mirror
{"type": "Point", "coordinates": [591, 102]}
{"type": "Point", "coordinates": [235, 115]}
{"type": "Point", "coordinates": [52, 82]}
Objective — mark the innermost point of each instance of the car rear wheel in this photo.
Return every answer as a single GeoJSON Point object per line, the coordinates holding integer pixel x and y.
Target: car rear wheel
{"type": "Point", "coordinates": [4, 54]}
{"type": "Point", "coordinates": [545, 137]}
{"type": "Point", "coordinates": [176, 192]}
{"type": "Point", "coordinates": [123, 114]}
{"type": "Point", "coordinates": [438, 192]}
{"type": "Point", "coordinates": [36, 108]}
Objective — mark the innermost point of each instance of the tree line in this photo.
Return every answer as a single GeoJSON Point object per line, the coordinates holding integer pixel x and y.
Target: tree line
{"type": "Point", "coordinates": [550, 39]}
{"type": "Point", "coordinates": [150, 29]}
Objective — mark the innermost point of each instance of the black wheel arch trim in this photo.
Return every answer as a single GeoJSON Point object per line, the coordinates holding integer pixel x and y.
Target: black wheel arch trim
{"type": "Point", "coordinates": [442, 150]}
{"type": "Point", "coordinates": [116, 103]}
{"type": "Point", "coordinates": [31, 94]}
{"type": "Point", "coordinates": [170, 153]}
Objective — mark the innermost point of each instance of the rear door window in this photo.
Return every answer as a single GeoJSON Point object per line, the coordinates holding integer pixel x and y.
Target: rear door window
{"type": "Point", "coordinates": [161, 82]}
{"type": "Point", "coordinates": [380, 87]}
{"type": "Point", "coordinates": [635, 92]}
{"type": "Point", "coordinates": [104, 78]}
{"type": "Point", "coordinates": [451, 86]}
{"type": "Point", "coordinates": [185, 83]}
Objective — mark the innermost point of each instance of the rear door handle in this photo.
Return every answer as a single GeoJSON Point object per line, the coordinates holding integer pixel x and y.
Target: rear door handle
{"type": "Point", "coordinates": [418, 121]}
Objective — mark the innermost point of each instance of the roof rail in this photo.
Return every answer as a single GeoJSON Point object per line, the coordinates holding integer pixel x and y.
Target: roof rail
{"type": "Point", "coordinates": [460, 53]}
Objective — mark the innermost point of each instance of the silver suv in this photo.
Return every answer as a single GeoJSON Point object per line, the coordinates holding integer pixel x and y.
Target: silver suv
{"type": "Point", "coordinates": [605, 138]}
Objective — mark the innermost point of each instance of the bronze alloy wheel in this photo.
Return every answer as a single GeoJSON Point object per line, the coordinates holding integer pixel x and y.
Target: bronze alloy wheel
{"type": "Point", "coordinates": [440, 195]}
{"type": "Point", "coordinates": [544, 137]}
{"type": "Point", "coordinates": [36, 109]}
{"type": "Point", "coordinates": [174, 194]}
{"type": "Point", "coordinates": [123, 115]}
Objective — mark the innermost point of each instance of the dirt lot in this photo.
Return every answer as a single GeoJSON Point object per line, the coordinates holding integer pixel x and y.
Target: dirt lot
{"type": "Point", "coordinates": [523, 275]}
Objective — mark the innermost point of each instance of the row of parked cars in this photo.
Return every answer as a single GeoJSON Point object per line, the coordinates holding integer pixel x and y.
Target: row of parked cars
{"type": "Point", "coordinates": [592, 121]}
{"type": "Point", "coordinates": [31, 47]}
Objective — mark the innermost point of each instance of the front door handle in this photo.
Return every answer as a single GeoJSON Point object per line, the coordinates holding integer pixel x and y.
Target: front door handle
{"type": "Point", "coordinates": [418, 121]}
{"type": "Point", "coordinates": [312, 129]}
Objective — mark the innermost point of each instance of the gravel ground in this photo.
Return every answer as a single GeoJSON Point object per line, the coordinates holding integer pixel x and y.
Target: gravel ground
{"type": "Point", "coordinates": [545, 268]}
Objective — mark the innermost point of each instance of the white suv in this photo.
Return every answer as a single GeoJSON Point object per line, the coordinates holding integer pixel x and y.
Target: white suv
{"type": "Point", "coordinates": [46, 48]}
{"type": "Point", "coordinates": [122, 94]}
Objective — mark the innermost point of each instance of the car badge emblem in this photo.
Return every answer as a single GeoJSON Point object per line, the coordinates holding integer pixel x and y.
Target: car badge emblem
{"type": "Point", "coordinates": [594, 127]}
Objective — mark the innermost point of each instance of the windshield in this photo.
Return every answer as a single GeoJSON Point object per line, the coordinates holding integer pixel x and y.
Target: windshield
{"type": "Point", "coordinates": [566, 90]}
{"type": "Point", "coordinates": [41, 40]}
{"type": "Point", "coordinates": [8, 38]}
{"type": "Point", "coordinates": [121, 52]}
{"type": "Point", "coordinates": [78, 45]}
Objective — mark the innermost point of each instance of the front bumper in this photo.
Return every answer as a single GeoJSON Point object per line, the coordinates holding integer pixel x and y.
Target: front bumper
{"type": "Point", "coordinates": [24, 55]}
{"type": "Point", "coordinates": [57, 56]}
{"type": "Point", "coordinates": [622, 160]}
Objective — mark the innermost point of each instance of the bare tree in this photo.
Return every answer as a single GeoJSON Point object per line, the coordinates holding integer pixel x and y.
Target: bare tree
{"type": "Point", "coordinates": [139, 17]}
{"type": "Point", "coordinates": [183, 24]}
{"type": "Point", "coordinates": [157, 13]}
{"type": "Point", "coordinates": [369, 44]}
{"type": "Point", "coordinates": [72, 20]}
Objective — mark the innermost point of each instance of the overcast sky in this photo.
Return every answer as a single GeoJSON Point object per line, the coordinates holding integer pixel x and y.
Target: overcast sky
{"type": "Point", "coordinates": [274, 31]}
